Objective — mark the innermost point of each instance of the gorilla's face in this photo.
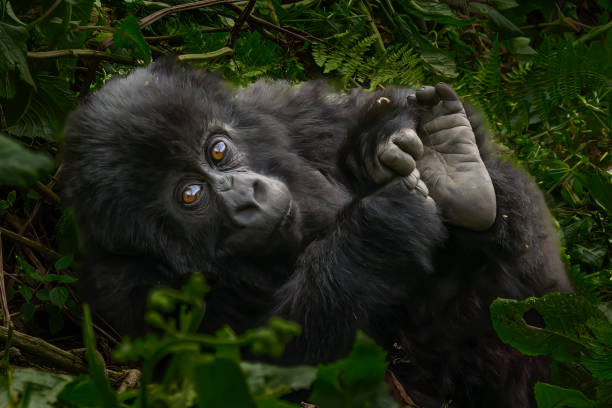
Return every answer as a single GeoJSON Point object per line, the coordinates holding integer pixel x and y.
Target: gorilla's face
{"type": "Point", "coordinates": [167, 164]}
{"type": "Point", "coordinates": [253, 213]}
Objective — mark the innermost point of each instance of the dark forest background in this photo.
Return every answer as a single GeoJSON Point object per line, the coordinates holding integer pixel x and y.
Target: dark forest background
{"type": "Point", "coordinates": [539, 70]}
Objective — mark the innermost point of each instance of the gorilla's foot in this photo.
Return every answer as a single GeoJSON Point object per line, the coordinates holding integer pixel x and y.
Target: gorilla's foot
{"type": "Point", "coordinates": [451, 165]}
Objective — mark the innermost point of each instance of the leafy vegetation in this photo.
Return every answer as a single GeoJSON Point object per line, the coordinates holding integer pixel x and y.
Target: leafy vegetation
{"type": "Point", "coordinates": [539, 70]}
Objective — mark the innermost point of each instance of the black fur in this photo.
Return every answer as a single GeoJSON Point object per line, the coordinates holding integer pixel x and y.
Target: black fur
{"type": "Point", "coordinates": [377, 258]}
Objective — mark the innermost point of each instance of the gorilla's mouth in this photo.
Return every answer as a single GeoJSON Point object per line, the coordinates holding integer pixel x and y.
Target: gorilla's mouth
{"type": "Point", "coordinates": [269, 235]}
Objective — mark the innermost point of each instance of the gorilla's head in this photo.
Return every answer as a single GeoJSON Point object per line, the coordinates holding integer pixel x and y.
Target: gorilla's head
{"type": "Point", "coordinates": [165, 162]}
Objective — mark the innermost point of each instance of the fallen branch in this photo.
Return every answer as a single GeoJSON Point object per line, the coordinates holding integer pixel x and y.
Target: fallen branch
{"type": "Point", "coordinates": [84, 53]}
{"type": "Point", "coordinates": [47, 252]}
{"type": "Point", "coordinates": [51, 356]}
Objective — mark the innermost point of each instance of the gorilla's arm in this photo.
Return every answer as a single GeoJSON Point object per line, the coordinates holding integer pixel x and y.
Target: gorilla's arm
{"type": "Point", "coordinates": [116, 287]}
{"type": "Point", "coordinates": [359, 275]}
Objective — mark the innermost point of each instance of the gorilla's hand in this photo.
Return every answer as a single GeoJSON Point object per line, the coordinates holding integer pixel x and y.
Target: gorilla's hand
{"type": "Point", "coordinates": [451, 165]}
{"type": "Point", "coordinates": [395, 156]}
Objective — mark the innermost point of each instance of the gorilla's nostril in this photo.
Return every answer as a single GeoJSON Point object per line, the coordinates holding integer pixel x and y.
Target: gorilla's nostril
{"type": "Point", "coordinates": [259, 191]}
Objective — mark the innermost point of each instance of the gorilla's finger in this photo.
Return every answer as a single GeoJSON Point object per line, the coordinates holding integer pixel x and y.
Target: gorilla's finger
{"type": "Point", "coordinates": [445, 92]}
{"type": "Point", "coordinates": [422, 188]}
{"type": "Point", "coordinates": [408, 141]}
{"type": "Point", "coordinates": [445, 122]}
{"type": "Point", "coordinates": [427, 96]}
{"type": "Point", "coordinates": [396, 159]}
{"type": "Point", "coordinates": [412, 179]}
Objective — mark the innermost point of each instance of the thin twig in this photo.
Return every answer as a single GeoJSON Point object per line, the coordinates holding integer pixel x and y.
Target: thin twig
{"type": "Point", "coordinates": [267, 24]}
{"type": "Point", "coordinates": [594, 32]}
{"type": "Point", "coordinates": [239, 22]}
{"type": "Point", "coordinates": [85, 53]}
{"type": "Point", "coordinates": [47, 252]}
{"type": "Point", "coordinates": [5, 309]}
{"type": "Point", "coordinates": [151, 18]}
{"type": "Point", "coordinates": [158, 38]}
{"type": "Point", "coordinates": [44, 15]}
{"type": "Point", "coordinates": [46, 191]}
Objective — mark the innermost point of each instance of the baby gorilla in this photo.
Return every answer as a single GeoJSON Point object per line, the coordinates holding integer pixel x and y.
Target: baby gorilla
{"type": "Point", "coordinates": [299, 202]}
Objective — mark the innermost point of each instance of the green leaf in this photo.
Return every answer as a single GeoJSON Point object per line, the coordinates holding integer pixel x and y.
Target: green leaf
{"type": "Point", "coordinates": [20, 166]}
{"type": "Point", "coordinates": [67, 233]}
{"type": "Point", "coordinates": [44, 387]}
{"type": "Point", "coordinates": [575, 330]}
{"type": "Point", "coordinates": [58, 296]}
{"type": "Point", "coordinates": [105, 395]}
{"type": "Point", "coordinates": [520, 45]}
{"type": "Point", "coordinates": [434, 11]}
{"type": "Point", "coordinates": [558, 339]}
{"type": "Point", "coordinates": [26, 292]}
{"type": "Point", "coordinates": [10, 200]}
{"type": "Point", "coordinates": [220, 383]}
{"type": "Point", "coordinates": [599, 185]}
{"type": "Point", "coordinates": [43, 294]}
{"type": "Point", "coordinates": [13, 51]}
{"type": "Point", "coordinates": [130, 38]}
{"type": "Point", "coordinates": [64, 262]}
{"type": "Point", "coordinates": [498, 20]}
{"type": "Point", "coordinates": [357, 381]}
{"type": "Point", "coordinates": [79, 393]}
{"type": "Point", "coordinates": [439, 61]}
{"type": "Point", "coordinates": [26, 311]}
{"type": "Point", "coordinates": [263, 379]}
{"type": "Point", "coordinates": [11, 13]}
{"type": "Point", "coordinates": [47, 107]}
{"type": "Point", "coordinates": [552, 396]}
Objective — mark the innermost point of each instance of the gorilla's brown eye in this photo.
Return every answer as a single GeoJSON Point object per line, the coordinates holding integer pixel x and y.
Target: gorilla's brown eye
{"type": "Point", "coordinates": [191, 193]}
{"type": "Point", "coordinates": [218, 151]}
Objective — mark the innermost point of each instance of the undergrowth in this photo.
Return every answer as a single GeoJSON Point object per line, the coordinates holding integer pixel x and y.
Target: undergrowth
{"type": "Point", "coordinates": [540, 71]}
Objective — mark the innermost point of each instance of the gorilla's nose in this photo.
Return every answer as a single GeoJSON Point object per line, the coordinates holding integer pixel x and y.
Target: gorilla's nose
{"type": "Point", "coordinates": [244, 200]}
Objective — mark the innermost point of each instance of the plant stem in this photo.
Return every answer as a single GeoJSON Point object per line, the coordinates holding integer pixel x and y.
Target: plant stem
{"type": "Point", "coordinates": [44, 15]}
{"type": "Point", "coordinates": [222, 52]}
{"type": "Point", "coordinates": [47, 252]}
{"type": "Point", "coordinates": [380, 45]}
{"type": "Point", "coordinates": [85, 53]}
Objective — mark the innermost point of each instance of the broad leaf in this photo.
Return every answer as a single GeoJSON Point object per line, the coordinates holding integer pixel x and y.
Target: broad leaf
{"type": "Point", "coordinates": [19, 165]}
{"type": "Point", "coordinates": [43, 387]}
{"type": "Point", "coordinates": [575, 330]}
{"type": "Point", "coordinates": [264, 379]}
{"type": "Point", "coordinates": [130, 38]}
{"type": "Point", "coordinates": [551, 396]}
{"type": "Point", "coordinates": [48, 106]}
{"type": "Point", "coordinates": [220, 383]}
{"type": "Point", "coordinates": [498, 20]}
{"type": "Point", "coordinates": [357, 381]}
{"type": "Point", "coordinates": [13, 54]}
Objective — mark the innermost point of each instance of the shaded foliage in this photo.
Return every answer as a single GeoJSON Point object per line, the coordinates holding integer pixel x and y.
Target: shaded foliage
{"type": "Point", "coordinates": [539, 70]}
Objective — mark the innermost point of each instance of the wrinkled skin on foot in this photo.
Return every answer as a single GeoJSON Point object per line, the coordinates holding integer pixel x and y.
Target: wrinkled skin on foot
{"type": "Point", "coordinates": [451, 165]}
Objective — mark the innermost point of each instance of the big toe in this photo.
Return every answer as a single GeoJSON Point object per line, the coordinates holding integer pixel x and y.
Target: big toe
{"type": "Point", "coordinates": [427, 95]}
